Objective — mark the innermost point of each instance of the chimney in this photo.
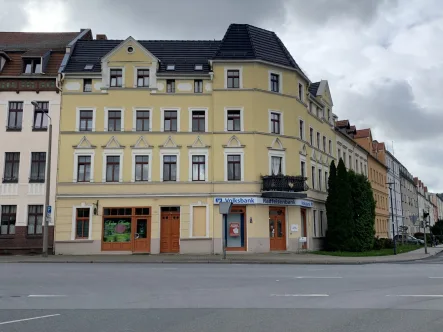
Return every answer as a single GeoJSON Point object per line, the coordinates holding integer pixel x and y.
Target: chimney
{"type": "Point", "coordinates": [101, 37]}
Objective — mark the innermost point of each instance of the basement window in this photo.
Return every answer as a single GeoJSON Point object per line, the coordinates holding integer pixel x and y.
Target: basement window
{"type": "Point", "coordinates": [198, 67]}
{"type": "Point", "coordinates": [170, 67]}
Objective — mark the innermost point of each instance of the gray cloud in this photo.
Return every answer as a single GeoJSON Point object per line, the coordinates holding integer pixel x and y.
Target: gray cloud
{"type": "Point", "coordinates": [389, 106]}
{"type": "Point", "coordinates": [12, 15]}
{"type": "Point", "coordinates": [172, 19]}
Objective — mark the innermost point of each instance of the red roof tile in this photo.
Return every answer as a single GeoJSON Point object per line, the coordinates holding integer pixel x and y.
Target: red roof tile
{"type": "Point", "coordinates": [22, 41]}
{"type": "Point", "coordinates": [363, 133]}
{"type": "Point", "coordinates": [342, 123]}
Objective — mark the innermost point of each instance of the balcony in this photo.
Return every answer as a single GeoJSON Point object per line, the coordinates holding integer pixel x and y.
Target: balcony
{"type": "Point", "coordinates": [284, 186]}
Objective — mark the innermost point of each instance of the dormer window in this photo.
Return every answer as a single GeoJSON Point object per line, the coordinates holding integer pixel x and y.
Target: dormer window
{"type": "Point", "coordinates": [32, 66]}
{"type": "Point", "coordinates": [89, 67]}
{"type": "Point", "coordinates": [170, 67]}
{"type": "Point", "coordinates": [198, 67]}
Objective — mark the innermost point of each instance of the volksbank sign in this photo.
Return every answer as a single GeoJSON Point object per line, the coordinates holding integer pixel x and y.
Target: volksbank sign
{"type": "Point", "coordinates": [264, 201]}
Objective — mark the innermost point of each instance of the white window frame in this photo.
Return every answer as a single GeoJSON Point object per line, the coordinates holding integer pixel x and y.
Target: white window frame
{"type": "Point", "coordinates": [313, 136]}
{"type": "Point", "coordinates": [134, 117]}
{"type": "Point", "coordinates": [280, 81]}
{"type": "Point", "coordinates": [83, 153]}
{"type": "Point", "coordinates": [314, 177]}
{"type": "Point", "coordinates": [122, 120]}
{"type": "Point", "coordinates": [281, 154]}
{"type": "Point", "coordinates": [74, 216]}
{"type": "Point", "coordinates": [142, 152]}
{"type": "Point", "coordinates": [303, 159]}
{"type": "Point", "coordinates": [108, 84]}
{"type": "Point", "coordinates": [319, 180]}
{"type": "Point", "coordinates": [302, 136]}
{"type": "Point", "coordinates": [162, 118]}
{"type": "Point", "coordinates": [242, 121]}
{"type": "Point", "coordinates": [112, 152]}
{"type": "Point", "coordinates": [303, 91]}
{"type": "Point", "coordinates": [192, 109]}
{"type": "Point", "coordinates": [198, 152]}
{"type": "Point", "coordinates": [234, 151]}
{"type": "Point", "coordinates": [240, 80]}
{"type": "Point", "coordinates": [77, 117]}
{"type": "Point", "coordinates": [136, 74]}
{"type": "Point", "coordinates": [170, 152]}
{"type": "Point", "coordinates": [191, 224]}
{"type": "Point", "coordinates": [270, 122]}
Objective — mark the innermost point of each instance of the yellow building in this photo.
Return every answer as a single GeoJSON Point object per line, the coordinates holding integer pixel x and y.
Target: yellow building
{"type": "Point", "coordinates": [155, 134]}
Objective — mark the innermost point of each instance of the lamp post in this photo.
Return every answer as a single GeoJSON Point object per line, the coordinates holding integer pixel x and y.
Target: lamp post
{"type": "Point", "coordinates": [48, 183]}
{"type": "Point", "coordinates": [392, 214]}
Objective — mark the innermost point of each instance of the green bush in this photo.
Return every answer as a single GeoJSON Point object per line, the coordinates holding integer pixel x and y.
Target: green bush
{"type": "Point", "coordinates": [383, 243]}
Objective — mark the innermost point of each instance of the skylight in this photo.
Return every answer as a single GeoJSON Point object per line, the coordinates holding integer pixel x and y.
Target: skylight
{"type": "Point", "coordinates": [89, 67]}
{"type": "Point", "coordinates": [170, 67]}
{"type": "Point", "coordinates": [198, 67]}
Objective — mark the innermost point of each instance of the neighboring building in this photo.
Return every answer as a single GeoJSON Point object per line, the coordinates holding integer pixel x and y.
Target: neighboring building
{"type": "Point", "coordinates": [29, 65]}
{"type": "Point", "coordinates": [394, 166]}
{"type": "Point", "coordinates": [377, 171]}
{"type": "Point", "coordinates": [440, 206]}
{"type": "Point", "coordinates": [423, 203]}
{"type": "Point", "coordinates": [409, 200]}
{"type": "Point", "coordinates": [434, 207]}
{"type": "Point", "coordinates": [155, 134]}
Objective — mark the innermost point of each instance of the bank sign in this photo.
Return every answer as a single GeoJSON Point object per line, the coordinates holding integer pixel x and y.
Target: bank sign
{"type": "Point", "coordinates": [263, 201]}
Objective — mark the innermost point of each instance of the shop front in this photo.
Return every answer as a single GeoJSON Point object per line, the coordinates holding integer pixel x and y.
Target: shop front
{"type": "Point", "coordinates": [258, 224]}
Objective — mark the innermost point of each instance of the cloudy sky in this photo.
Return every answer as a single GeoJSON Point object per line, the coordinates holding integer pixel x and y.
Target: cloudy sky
{"type": "Point", "coordinates": [383, 58]}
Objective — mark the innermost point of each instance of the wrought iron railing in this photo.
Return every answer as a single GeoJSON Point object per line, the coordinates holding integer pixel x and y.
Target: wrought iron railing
{"type": "Point", "coordinates": [284, 183]}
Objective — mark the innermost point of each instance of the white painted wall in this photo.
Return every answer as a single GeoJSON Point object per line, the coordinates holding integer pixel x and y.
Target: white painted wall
{"type": "Point", "coordinates": [394, 177]}
{"type": "Point", "coordinates": [25, 142]}
{"type": "Point", "coordinates": [348, 146]}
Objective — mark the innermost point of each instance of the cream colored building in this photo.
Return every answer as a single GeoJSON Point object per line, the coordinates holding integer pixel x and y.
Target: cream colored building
{"type": "Point", "coordinates": [155, 134]}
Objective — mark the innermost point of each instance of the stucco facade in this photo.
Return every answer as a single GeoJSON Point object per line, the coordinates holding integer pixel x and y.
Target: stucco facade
{"type": "Point", "coordinates": [409, 200]}
{"type": "Point", "coordinates": [393, 166]}
{"type": "Point", "coordinates": [235, 154]}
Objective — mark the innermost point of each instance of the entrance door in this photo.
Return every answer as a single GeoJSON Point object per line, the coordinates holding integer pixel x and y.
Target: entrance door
{"type": "Point", "coordinates": [304, 229]}
{"type": "Point", "coordinates": [170, 230]}
{"type": "Point", "coordinates": [142, 235]}
{"type": "Point", "coordinates": [277, 228]}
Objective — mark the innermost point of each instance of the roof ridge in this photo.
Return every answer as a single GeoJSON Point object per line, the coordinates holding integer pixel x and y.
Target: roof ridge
{"type": "Point", "coordinates": [254, 50]}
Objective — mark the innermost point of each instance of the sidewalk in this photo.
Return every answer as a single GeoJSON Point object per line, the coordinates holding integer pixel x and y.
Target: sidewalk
{"type": "Point", "coordinates": [232, 258]}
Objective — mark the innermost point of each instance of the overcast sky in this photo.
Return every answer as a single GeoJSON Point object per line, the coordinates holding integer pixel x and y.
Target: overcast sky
{"type": "Point", "coordinates": [383, 58]}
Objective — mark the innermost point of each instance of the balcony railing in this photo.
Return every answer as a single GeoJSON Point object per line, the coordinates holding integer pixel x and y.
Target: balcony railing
{"type": "Point", "coordinates": [284, 183]}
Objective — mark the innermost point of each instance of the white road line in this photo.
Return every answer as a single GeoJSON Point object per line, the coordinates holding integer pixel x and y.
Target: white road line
{"type": "Point", "coordinates": [300, 295]}
{"type": "Point", "coordinates": [25, 319]}
{"type": "Point", "coordinates": [318, 277]}
{"type": "Point", "coordinates": [46, 295]}
{"type": "Point", "coordinates": [416, 295]}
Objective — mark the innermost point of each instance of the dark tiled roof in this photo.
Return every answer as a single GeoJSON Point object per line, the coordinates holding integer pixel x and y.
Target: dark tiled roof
{"type": "Point", "coordinates": [23, 41]}
{"type": "Point", "coordinates": [184, 54]}
{"type": "Point", "coordinates": [246, 42]}
{"type": "Point", "coordinates": [313, 88]}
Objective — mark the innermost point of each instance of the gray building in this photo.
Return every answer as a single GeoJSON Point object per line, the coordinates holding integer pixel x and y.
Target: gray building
{"type": "Point", "coordinates": [409, 200]}
{"type": "Point", "coordinates": [396, 212]}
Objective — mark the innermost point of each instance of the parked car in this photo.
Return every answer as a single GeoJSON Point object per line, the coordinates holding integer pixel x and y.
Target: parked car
{"type": "Point", "coordinates": [408, 239]}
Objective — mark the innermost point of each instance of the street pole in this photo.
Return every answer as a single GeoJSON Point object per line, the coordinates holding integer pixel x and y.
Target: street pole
{"type": "Point", "coordinates": [225, 223]}
{"type": "Point", "coordinates": [48, 185]}
{"type": "Point", "coordinates": [425, 215]}
{"type": "Point", "coordinates": [392, 215]}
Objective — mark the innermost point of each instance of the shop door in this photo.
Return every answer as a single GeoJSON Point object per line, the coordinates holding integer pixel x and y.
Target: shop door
{"type": "Point", "coordinates": [142, 235]}
{"type": "Point", "coordinates": [277, 228]}
{"type": "Point", "coordinates": [170, 232]}
{"type": "Point", "coordinates": [304, 231]}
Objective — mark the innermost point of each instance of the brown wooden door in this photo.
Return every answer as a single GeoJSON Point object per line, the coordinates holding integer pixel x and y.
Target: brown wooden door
{"type": "Point", "coordinates": [277, 228]}
{"type": "Point", "coordinates": [170, 232]}
{"type": "Point", "coordinates": [304, 229]}
{"type": "Point", "coordinates": [142, 234]}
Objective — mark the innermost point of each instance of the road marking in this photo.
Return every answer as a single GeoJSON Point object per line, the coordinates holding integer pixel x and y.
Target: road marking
{"type": "Point", "coordinates": [46, 295]}
{"type": "Point", "coordinates": [435, 277]}
{"type": "Point", "coordinates": [300, 295]}
{"type": "Point", "coordinates": [26, 319]}
{"type": "Point", "coordinates": [416, 295]}
{"type": "Point", "coordinates": [318, 277]}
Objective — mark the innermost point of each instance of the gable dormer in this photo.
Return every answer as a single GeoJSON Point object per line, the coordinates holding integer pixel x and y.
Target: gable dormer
{"type": "Point", "coordinates": [130, 65]}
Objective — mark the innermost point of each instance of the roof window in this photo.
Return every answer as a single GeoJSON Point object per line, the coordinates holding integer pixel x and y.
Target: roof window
{"type": "Point", "coordinates": [89, 67]}
{"type": "Point", "coordinates": [198, 67]}
{"type": "Point", "coordinates": [170, 67]}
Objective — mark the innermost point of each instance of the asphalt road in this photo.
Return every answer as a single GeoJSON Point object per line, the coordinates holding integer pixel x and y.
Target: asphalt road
{"type": "Point", "coordinates": [148, 297]}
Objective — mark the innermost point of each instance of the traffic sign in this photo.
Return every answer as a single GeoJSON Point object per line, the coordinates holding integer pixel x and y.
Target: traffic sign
{"type": "Point", "coordinates": [49, 209]}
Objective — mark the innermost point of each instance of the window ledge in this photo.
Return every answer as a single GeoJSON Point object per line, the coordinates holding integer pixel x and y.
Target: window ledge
{"type": "Point", "coordinates": [196, 238]}
{"type": "Point", "coordinates": [34, 236]}
{"type": "Point", "coordinates": [39, 129]}
{"type": "Point", "coordinates": [13, 129]}
{"type": "Point", "coordinates": [76, 241]}
{"type": "Point", "coordinates": [36, 181]}
{"type": "Point", "coordinates": [5, 237]}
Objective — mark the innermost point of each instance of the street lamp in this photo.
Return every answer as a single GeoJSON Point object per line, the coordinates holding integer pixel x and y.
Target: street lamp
{"type": "Point", "coordinates": [392, 214]}
{"type": "Point", "coordinates": [48, 182]}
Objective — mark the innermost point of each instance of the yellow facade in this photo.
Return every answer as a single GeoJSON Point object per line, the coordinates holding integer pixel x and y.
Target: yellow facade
{"type": "Point", "coordinates": [254, 143]}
